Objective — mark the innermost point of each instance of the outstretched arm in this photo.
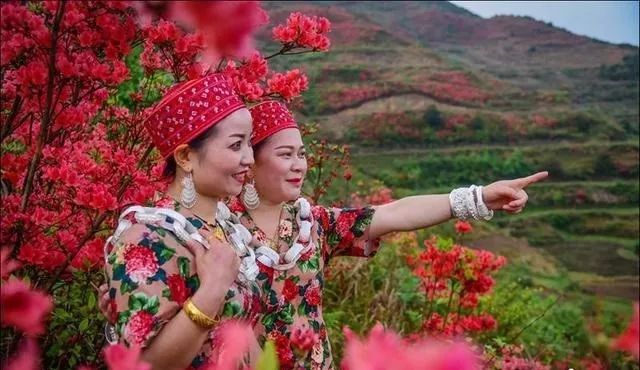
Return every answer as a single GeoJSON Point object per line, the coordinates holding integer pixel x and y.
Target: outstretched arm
{"type": "Point", "coordinates": [418, 212]}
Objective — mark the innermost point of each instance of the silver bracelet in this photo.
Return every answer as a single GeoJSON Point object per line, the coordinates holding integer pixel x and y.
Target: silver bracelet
{"type": "Point", "coordinates": [483, 211]}
{"type": "Point", "coordinates": [459, 204]}
{"type": "Point", "coordinates": [467, 203]}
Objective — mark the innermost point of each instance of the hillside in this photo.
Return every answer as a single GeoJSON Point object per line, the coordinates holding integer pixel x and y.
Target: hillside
{"type": "Point", "coordinates": [437, 53]}
{"type": "Point", "coordinates": [430, 96]}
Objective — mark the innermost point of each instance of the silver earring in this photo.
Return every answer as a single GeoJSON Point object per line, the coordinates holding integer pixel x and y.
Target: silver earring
{"type": "Point", "coordinates": [188, 197]}
{"type": "Point", "coordinates": [250, 197]}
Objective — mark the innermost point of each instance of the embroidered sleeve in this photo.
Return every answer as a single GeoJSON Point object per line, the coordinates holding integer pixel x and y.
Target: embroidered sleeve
{"type": "Point", "coordinates": [345, 231]}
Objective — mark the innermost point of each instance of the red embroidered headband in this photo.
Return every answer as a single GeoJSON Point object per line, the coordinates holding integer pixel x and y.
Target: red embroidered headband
{"type": "Point", "coordinates": [270, 117]}
{"type": "Point", "coordinates": [189, 109]}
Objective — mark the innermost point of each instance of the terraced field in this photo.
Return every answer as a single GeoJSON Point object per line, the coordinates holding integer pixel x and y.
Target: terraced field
{"type": "Point", "coordinates": [584, 219]}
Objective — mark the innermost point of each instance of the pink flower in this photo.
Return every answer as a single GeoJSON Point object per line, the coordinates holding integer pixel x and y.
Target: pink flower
{"type": "Point", "coordinates": [27, 358]}
{"type": "Point", "coordinates": [139, 327]}
{"type": "Point", "coordinates": [140, 263]}
{"type": "Point", "coordinates": [386, 350]}
{"type": "Point", "coordinates": [24, 308]}
{"type": "Point", "coordinates": [119, 357]}
{"type": "Point", "coordinates": [629, 340]}
{"type": "Point", "coordinates": [234, 339]}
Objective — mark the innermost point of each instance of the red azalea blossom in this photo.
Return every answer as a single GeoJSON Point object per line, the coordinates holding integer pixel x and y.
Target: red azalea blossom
{"type": "Point", "coordinates": [289, 84]}
{"type": "Point", "coordinates": [24, 308]}
{"type": "Point", "coordinates": [463, 227]}
{"type": "Point", "coordinates": [304, 31]}
{"type": "Point", "coordinates": [467, 272]}
{"type": "Point", "coordinates": [629, 340]}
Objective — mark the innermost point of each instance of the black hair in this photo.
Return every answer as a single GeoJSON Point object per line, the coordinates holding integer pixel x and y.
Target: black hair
{"type": "Point", "coordinates": [197, 144]}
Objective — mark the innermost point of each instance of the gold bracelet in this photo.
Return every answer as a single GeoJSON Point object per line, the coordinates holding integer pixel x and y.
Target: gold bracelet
{"type": "Point", "coordinates": [198, 317]}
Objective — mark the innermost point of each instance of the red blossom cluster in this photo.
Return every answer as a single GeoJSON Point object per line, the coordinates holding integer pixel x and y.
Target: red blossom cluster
{"type": "Point", "coordinates": [303, 31]}
{"type": "Point", "coordinates": [352, 96]}
{"type": "Point", "coordinates": [453, 93]}
{"type": "Point", "coordinates": [463, 227]}
{"type": "Point", "coordinates": [459, 276]}
{"type": "Point", "coordinates": [251, 83]}
{"type": "Point", "coordinates": [252, 78]}
{"type": "Point", "coordinates": [56, 130]}
{"type": "Point", "coordinates": [381, 125]}
{"type": "Point", "coordinates": [513, 358]}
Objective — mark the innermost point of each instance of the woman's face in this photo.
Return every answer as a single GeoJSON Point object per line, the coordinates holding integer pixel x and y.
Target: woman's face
{"type": "Point", "coordinates": [220, 166]}
{"type": "Point", "coordinates": [280, 167]}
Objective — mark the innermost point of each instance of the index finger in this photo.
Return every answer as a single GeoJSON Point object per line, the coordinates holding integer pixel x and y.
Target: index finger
{"type": "Point", "coordinates": [526, 181]}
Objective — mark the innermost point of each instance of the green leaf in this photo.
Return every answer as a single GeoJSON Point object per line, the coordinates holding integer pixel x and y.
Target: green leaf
{"type": "Point", "coordinates": [137, 301]}
{"type": "Point", "coordinates": [268, 320]}
{"type": "Point", "coordinates": [286, 315]}
{"type": "Point", "coordinates": [84, 325]}
{"type": "Point", "coordinates": [91, 301]}
{"type": "Point", "coordinates": [231, 309]}
{"type": "Point", "coordinates": [193, 283]}
{"type": "Point", "coordinates": [333, 239]}
{"type": "Point", "coordinates": [127, 287]}
{"type": "Point", "coordinates": [163, 253]}
{"type": "Point", "coordinates": [152, 304]}
{"type": "Point", "coordinates": [183, 266]}
{"type": "Point", "coordinates": [268, 360]}
{"type": "Point", "coordinates": [302, 308]}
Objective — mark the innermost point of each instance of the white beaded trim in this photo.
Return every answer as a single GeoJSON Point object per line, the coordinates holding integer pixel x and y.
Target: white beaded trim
{"type": "Point", "coordinates": [302, 245]}
{"type": "Point", "coordinates": [188, 234]}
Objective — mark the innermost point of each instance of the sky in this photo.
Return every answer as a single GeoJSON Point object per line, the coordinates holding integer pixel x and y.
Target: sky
{"type": "Point", "coordinates": [611, 21]}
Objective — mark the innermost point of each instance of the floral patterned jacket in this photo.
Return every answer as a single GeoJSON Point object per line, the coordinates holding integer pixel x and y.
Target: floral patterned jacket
{"type": "Point", "coordinates": [293, 298]}
{"type": "Point", "coordinates": [151, 274]}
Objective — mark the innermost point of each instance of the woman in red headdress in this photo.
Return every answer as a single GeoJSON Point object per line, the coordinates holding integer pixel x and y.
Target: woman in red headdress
{"type": "Point", "coordinates": [175, 269]}
{"type": "Point", "coordinates": [294, 241]}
